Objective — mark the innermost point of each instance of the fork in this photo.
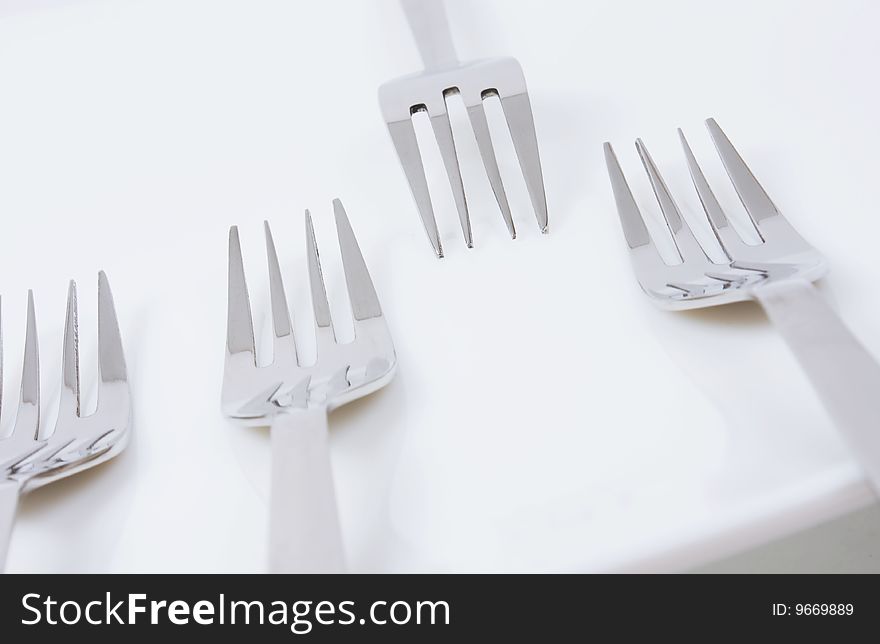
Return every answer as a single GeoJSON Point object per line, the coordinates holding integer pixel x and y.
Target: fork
{"type": "Point", "coordinates": [29, 458]}
{"type": "Point", "coordinates": [444, 76]}
{"type": "Point", "coordinates": [777, 272]}
{"type": "Point", "coordinates": [294, 398]}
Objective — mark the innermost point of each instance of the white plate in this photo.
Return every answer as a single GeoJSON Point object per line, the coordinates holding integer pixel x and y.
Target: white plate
{"type": "Point", "coordinates": [545, 417]}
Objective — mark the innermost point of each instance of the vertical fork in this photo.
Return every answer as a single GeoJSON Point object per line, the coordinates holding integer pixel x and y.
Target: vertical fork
{"type": "Point", "coordinates": [31, 457]}
{"type": "Point", "coordinates": [445, 75]}
{"type": "Point", "coordinates": [294, 398]}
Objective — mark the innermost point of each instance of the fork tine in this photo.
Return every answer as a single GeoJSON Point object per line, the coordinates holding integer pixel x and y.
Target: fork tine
{"type": "Point", "coordinates": [480, 125]}
{"type": "Point", "coordinates": [707, 197]}
{"type": "Point", "coordinates": [70, 393]}
{"type": "Point", "coordinates": [28, 416]}
{"type": "Point", "coordinates": [280, 311]}
{"type": "Point", "coordinates": [361, 292]}
{"type": "Point", "coordinates": [727, 236]}
{"type": "Point", "coordinates": [403, 135]}
{"type": "Point", "coordinates": [320, 305]}
{"type": "Point", "coordinates": [111, 359]}
{"type": "Point", "coordinates": [753, 196]}
{"type": "Point", "coordinates": [518, 112]}
{"type": "Point", "coordinates": [443, 134]}
{"type": "Point", "coordinates": [688, 247]}
{"type": "Point", "coordinates": [634, 230]}
{"type": "Point", "coordinates": [239, 324]}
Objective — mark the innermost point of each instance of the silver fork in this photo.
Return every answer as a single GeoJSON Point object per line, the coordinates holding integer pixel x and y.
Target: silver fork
{"type": "Point", "coordinates": [777, 272]}
{"type": "Point", "coordinates": [31, 458]}
{"type": "Point", "coordinates": [474, 81]}
{"type": "Point", "coordinates": [295, 398]}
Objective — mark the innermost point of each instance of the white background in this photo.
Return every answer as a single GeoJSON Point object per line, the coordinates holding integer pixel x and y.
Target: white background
{"type": "Point", "coordinates": [545, 416]}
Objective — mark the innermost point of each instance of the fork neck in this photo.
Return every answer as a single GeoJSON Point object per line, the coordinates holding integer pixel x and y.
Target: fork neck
{"type": "Point", "coordinates": [430, 28]}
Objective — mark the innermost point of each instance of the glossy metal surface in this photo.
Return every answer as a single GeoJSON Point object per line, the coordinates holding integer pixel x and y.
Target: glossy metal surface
{"type": "Point", "coordinates": [32, 456]}
{"type": "Point", "coordinates": [777, 272]}
{"type": "Point", "coordinates": [444, 75]}
{"type": "Point", "coordinates": [288, 394]}
{"type": "Point", "coordinates": [697, 281]}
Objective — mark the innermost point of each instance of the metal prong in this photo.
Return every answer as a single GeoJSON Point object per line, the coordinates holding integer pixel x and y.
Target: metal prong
{"type": "Point", "coordinates": [28, 416]}
{"type": "Point", "coordinates": [443, 134]}
{"type": "Point", "coordinates": [111, 359]}
{"type": "Point", "coordinates": [404, 137]}
{"type": "Point", "coordinates": [518, 112]}
{"type": "Point", "coordinates": [707, 197]}
{"type": "Point", "coordinates": [688, 247]}
{"type": "Point", "coordinates": [634, 229]}
{"type": "Point", "coordinates": [753, 196]}
{"type": "Point", "coordinates": [280, 312]}
{"type": "Point", "coordinates": [480, 125]}
{"type": "Point", "coordinates": [361, 292]}
{"type": "Point", "coordinates": [320, 305]}
{"type": "Point", "coordinates": [239, 323]}
{"type": "Point", "coordinates": [70, 394]}
{"type": "Point", "coordinates": [727, 237]}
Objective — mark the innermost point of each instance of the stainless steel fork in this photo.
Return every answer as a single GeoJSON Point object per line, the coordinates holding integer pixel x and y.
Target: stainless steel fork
{"type": "Point", "coordinates": [31, 458]}
{"type": "Point", "coordinates": [294, 398]}
{"type": "Point", "coordinates": [474, 81]}
{"type": "Point", "coordinates": [777, 272]}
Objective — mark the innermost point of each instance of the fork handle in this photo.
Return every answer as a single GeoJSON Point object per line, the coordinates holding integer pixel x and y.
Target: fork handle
{"type": "Point", "coordinates": [843, 373]}
{"type": "Point", "coordinates": [8, 504]}
{"type": "Point", "coordinates": [304, 533]}
{"type": "Point", "coordinates": [430, 28]}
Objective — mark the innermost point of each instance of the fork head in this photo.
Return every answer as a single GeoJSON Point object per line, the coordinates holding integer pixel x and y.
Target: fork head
{"type": "Point", "coordinates": [698, 281]}
{"type": "Point", "coordinates": [34, 458]}
{"type": "Point", "coordinates": [475, 81]}
{"type": "Point", "coordinates": [341, 373]}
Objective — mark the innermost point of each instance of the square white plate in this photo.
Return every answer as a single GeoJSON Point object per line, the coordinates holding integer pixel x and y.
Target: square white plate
{"type": "Point", "coordinates": [545, 416]}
